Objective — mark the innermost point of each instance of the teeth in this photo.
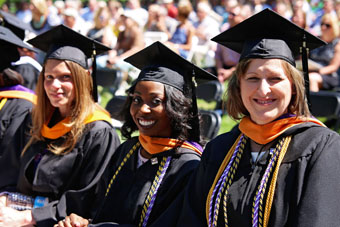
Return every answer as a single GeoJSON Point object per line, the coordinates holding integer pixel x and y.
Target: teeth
{"type": "Point", "coordinates": [264, 101]}
{"type": "Point", "coordinates": [146, 123]}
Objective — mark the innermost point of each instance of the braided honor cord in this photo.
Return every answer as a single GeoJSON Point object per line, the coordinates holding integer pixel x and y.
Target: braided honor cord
{"type": "Point", "coordinates": [128, 155]}
{"type": "Point", "coordinates": [227, 176]}
{"type": "Point", "coordinates": [257, 211]}
{"type": "Point", "coordinates": [150, 199]}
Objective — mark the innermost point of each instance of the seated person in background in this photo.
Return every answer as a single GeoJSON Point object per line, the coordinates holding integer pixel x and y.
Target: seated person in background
{"type": "Point", "coordinates": [16, 103]}
{"type": "Point", "coordinates": [181, 40]}
{"type": "Point", "coordinates": [103, 30]}
{"type": "Point", "coordinates": [26, 65]}
{"type": "Point", "coordinates": [327, 77]}
{"type": "Point", "coordinates": [206, 27]}
{"type": "Point", "coordinates": [72, 138]}
{"type": "Point", "coordinates": [159, 21]}
{"type": "Point", "coordinates": [129, 41]}
{"type": "Point", "coordinates": [73, 20]}
{"type": "Point", "coordinates": [225, 58]}
{"type": "Point", "coordinates": [149, 172]}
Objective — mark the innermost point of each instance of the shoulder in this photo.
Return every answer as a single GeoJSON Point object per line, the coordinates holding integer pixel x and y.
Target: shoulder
{"type": "Point", "coordinates": [218, 147]}
{"type": "Point", "coordinates": [100, 128]}
{"type": "Point", "coordinates": [312, 140]}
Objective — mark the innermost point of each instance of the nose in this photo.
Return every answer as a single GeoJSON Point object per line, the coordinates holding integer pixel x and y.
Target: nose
{"type": "Point", "coordinates": [145, 108]}
{"type": "Point", "coordinates": [264, 87]}
{"type": "Point", "coordinates": [56, 83]}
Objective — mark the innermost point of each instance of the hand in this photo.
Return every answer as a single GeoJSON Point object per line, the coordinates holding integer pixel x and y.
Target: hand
{"type": "Point", "coordinates": [73, 221]}
{"type": "Point", "coordinates": [10, 217]}
{"type": "Point", "coordinates": [224, 74]}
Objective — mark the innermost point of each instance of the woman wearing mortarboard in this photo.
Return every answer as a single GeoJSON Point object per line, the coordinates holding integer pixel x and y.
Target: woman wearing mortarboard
{"type": "Point", "coordinates": [72, 137]}
{"type": "Point", "coordinates": [16, 102]}
{"type": "Point", "coordinates": [279, 166]}
{"type": "Point", "coordinates": [149, 172]}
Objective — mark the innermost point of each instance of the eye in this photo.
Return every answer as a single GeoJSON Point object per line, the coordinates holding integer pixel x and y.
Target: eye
{"type": "Point", "coordinates": [275, 79]}
{"type": "Point", "coordinates": [157, 101]}
{"type": "Point", "coordinates": [66, 77]}
{"type": "Point", "coordinates": [136, 99]}
{"type": "Point", "coordinates": [252, 79]}
{"type": "Point", "coordinates": [48, 77]}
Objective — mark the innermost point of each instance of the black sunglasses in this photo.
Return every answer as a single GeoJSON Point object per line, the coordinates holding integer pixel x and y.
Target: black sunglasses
{"type": "Point", "coordinates": [326, 25]}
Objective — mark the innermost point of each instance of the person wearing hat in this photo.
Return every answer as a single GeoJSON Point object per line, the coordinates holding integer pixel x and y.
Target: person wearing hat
{"type": "Point", "coordinates": [16, 102]}
{"type": "Point", "coordinates": [148, 172]}
{"type": "Point", "coordinates": [72, 138]}
{"type": "Point", "coordinates": [27, 66]}
{"type": "Point", "coordinates": [279, 166]}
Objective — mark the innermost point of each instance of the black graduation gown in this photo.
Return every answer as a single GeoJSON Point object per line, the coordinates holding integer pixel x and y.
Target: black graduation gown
{"type": "Point", "coordinates": [65, 179]}
{"type": "Point", "coordinates": [125, 200]}
{"type": "Point", "coordinates": [307, 187]}
{"type": "Point", "coordinates": [15, 117]}
{"type": "Point", "coordinates": [29, 73]}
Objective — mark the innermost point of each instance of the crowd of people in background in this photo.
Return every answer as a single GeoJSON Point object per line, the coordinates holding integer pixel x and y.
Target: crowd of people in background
{"type": "Point", "coordinates": [186, 26]}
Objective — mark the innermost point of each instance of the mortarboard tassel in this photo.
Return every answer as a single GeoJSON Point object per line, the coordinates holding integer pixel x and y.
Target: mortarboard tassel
{"type": "Point", "coordinates": [94, 75]}
{"type": "Point", "coordinates": [304, 53]}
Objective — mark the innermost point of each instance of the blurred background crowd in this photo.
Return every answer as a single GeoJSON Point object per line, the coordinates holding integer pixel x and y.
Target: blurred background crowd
{"type": "Point", "coordinates": [184, 26]}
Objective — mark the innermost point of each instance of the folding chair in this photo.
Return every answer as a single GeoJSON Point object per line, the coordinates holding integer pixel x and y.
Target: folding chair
{"type": "Point", "coordinates": [210, 124]}
{"type": "Point", "coordinates": [210, 91]}
{"type": "Point", "coordinates": [326, 104]}
{"type": "Point", "coordinates": [109, 78]}
{"type": "Point", "coordinates": [114, 106]}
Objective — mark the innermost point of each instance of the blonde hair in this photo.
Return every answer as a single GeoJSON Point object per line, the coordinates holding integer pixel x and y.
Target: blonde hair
{"type": "Point", "coordinates": [334, 22]}
{"type": "Point", "coordinates": [184, 9]}
{"type": "Point", "coordinates": [97, 21]}
{"type": "Point", "coordinates": [235, 107]}
{"type": "Point", "coordinates": [82, 106]}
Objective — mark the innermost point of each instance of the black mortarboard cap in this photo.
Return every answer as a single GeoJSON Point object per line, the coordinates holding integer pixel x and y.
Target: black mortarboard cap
{"type": "Point", "coordinates": [8, 36]}
{"type": "Point", "coordinates": [13, 23]}
{"type": "Point", "coordinates": [8, 47]}
{"type": "Point", "coordinates": [63, 43]}
{"type": "Point", "coordinates": [268, 35]}
{"type": "Point", "coordinates": [160, 64]}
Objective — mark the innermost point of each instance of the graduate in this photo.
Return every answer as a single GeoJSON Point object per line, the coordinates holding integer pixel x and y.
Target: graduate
{"type": "Point", "coordinates": [279, 166]}
{"type": "Point", "coordinates": [26, 65]}
{"type": "Point", "coordinates": [72, 137]}
{"type": "Point", "coordinates": [16, 103]}
{"type": "Point", "coordinates": [148, 172]}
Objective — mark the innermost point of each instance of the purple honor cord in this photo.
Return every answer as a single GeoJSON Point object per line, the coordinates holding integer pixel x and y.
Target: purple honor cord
{"type": "Point", "coordinates": [153, 198]}
{"type": "Point", "coordinates": [222, 179]}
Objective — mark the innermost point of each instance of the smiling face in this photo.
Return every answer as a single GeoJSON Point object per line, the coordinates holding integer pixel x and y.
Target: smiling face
{"type": "Point", "coordinates": [266, 91]}
{"type": "Point", "coordinates": [148, 109]}
{"type": "Point", "coordinates": [58, 85]}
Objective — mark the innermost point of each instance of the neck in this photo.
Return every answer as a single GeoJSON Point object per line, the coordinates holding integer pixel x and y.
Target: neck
{"type": "Point", "coordinates": [145, 154]}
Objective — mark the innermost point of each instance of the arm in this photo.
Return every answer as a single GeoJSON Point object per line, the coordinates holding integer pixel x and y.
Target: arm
{"type": "Point", "coordinates": [319, 204]}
